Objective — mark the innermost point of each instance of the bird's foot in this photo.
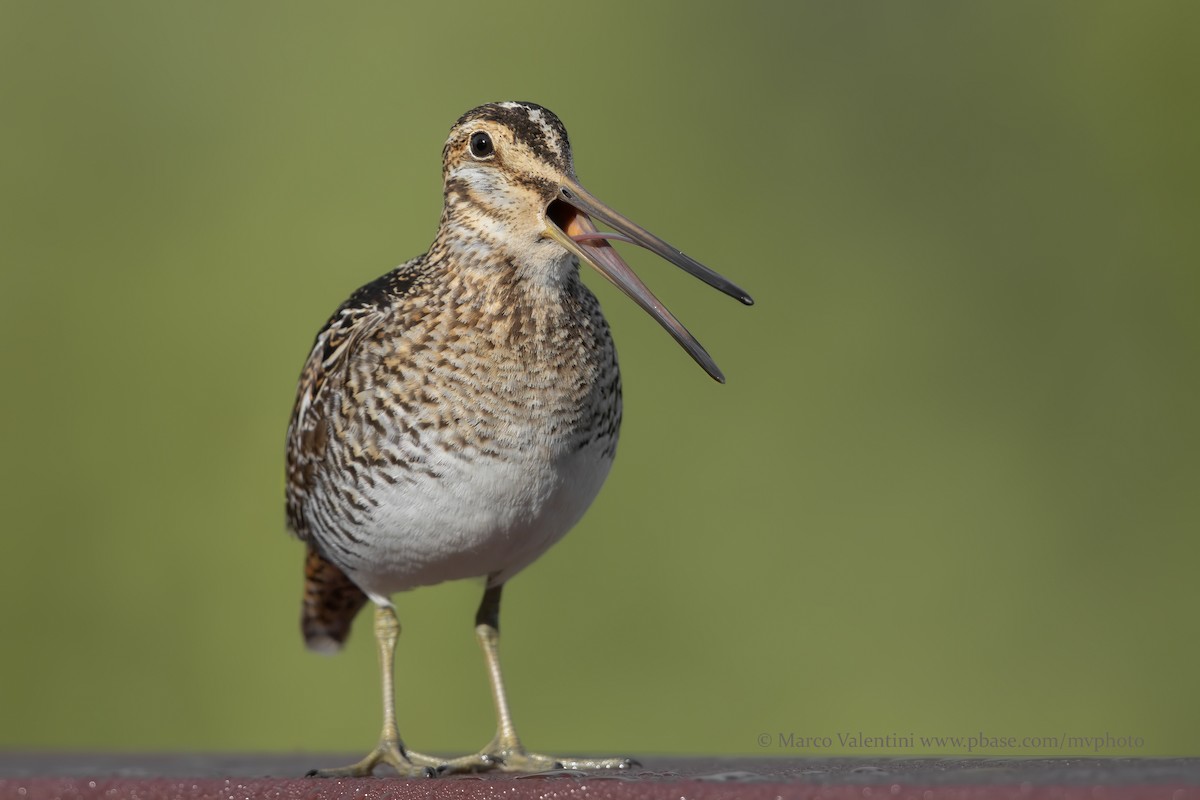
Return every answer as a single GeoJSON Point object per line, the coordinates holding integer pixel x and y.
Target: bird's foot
{"type": "Point", "coordinates": [516, 759]}
{"type": "Point", "coordinates": [406, 765]}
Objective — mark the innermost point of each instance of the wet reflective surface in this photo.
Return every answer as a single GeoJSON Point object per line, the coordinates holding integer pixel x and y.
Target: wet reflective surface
{"type": "Point", "coordinates": [154, 775]}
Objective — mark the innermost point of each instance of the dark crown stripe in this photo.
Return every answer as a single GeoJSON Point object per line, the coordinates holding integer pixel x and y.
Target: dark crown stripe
{"type": "Point", "coordinates": [519, 119]}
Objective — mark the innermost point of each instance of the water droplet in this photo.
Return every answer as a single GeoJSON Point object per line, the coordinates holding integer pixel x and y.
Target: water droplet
{"type": "Point", "coordinates": [735, 776]}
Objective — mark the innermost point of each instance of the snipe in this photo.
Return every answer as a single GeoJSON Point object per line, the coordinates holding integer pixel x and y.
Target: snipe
{"type": "Point", "coordinates": [458, 415]}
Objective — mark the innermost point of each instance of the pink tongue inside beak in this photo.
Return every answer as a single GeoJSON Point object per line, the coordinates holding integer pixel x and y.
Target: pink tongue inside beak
{"type": "Point", "coordinates": [581, 228]}
{"type": "Point", "coordinates": [584, 238]}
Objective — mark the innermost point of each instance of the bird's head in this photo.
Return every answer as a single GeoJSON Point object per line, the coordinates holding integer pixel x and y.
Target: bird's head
{"type": "Point", "coordinates": [510, 180]}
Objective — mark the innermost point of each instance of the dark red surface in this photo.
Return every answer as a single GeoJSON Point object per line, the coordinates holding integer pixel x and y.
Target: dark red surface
{"type": "Point", "coordinates": [151, 777]}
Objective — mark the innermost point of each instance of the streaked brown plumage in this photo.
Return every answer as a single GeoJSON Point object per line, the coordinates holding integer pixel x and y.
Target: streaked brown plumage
{"type": "Point", "coordinates": [458, 415]}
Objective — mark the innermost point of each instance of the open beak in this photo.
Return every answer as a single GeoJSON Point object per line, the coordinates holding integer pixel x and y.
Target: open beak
{"type": "Point", "coordinates": [569, 218]}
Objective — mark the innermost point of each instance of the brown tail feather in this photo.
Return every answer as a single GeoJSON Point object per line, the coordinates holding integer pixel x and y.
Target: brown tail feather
{"type": "Point", "coordinates": [330, 602]}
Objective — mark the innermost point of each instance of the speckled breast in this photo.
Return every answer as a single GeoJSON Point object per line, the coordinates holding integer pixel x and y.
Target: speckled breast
{"type": "Point", "coordinates": [464, 439]}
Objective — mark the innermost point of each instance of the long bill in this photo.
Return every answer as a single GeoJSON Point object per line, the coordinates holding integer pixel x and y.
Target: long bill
{"type": "Point", "coordinates": [571, 192]}
{"type": "Point", "coordinates": [573, 228]}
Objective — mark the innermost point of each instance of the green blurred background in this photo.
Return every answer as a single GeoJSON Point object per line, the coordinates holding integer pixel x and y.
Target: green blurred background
{"type": "Point", "coordinates": [952, 485]}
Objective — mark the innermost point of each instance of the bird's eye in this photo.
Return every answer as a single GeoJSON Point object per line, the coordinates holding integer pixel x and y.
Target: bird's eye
{"type": "Point", "coordinates": [481, 145]}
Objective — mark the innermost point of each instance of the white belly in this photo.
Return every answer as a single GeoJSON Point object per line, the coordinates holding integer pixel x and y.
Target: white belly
{"type": "Point", "coordinates": [473, 517]}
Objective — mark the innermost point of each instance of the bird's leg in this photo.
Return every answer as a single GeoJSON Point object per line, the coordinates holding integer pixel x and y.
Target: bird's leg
{"type": "Point", "coordinates": [505, 752]}
{"type": "Point", "coordinates": [390, 749]}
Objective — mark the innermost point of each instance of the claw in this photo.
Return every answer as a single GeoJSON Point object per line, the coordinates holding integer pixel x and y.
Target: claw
{"type": "Point", "coordinates": [387, 753]}
{"type": "Point", "coordinates": [518, 760]}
